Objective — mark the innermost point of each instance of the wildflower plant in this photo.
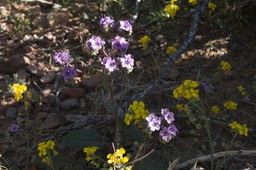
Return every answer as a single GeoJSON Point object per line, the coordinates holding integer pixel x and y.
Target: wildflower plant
{"type": "Point", "coordinates": [114, 58]}
{"type": "Point", "coordinates": [144, 41]}
{"type": "Point", "coordinates": [239, 128]}
{"type": "Point", "coordinates": [46, 151]}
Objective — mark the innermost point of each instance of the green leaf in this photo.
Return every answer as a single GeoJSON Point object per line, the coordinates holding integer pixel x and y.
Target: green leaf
{"type": "Point", "coordinates": [79, 139]}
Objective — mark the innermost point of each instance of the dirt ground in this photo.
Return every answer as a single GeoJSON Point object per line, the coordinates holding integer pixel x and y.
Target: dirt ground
{"type": "Point", "coordinates": [32, 32]}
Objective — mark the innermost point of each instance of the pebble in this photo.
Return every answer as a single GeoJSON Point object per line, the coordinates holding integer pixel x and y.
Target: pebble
{"type": "Point", "coordinates": [70, 104]}
{"type": "Point", "coordinates": [31, 69]}
{"type": "Point", "coordinates": [48, 78]}
{"type": "Point", "coordinates": [74, 92]}
{"type": "Point", "coordinates": [11, 113]}
{"type": "Point", "coordinates": [53, 120]}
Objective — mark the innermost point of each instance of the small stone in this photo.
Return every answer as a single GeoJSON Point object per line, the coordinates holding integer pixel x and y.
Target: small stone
{"type": "Point", "coordinates": [48, 78]}
{"type": "Point", "coordinates": [31, 69]}
{"type": "Point", "coordinates": [50, 99]}
{"type": "Point", "coordinates": [52, 121]}
{"type": "Point", "coordinates": [74, 92]}
{"type": "Point", "coordinates": [11, 65]}
{"type": "Point", "coordinates": [70, 104]}
{"type": "Point", "coordinates": [41, 115]}
{"type": "Point", "coordinates": [47, 91]}
{"type": "Point", "coordinates": [11, 113]}
{"type": "Point", "coordinates": [90, 81]}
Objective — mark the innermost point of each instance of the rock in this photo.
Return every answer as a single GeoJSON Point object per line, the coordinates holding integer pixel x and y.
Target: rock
{"type": "Point", "coordinates": [11, 113]}
{"type": "Point", "coordinates": [11, 65]}
{"type": "Point", "coordinates": [53, 120]}
{"type": "Point", "coordinates": [74, 92]}
{"type": "Point", "coordinates": [59, 18]}
{"type": "Point", "coordinates": [90, 81]}
{"type": "Point", "coordinates": [41, 115]}
{"type": "Point", "coordinates": [70, 104]}
{"type": "Point", "coordinates": [47, 91]}
{"type": "Point", "coordinates": [31, 69]}
{"type": "Point", "coordinates": [50, 99]}
{"type": "Point", "coordinates": [48, 78]}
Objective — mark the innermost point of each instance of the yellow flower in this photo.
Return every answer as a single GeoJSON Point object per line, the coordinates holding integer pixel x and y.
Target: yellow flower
{"type": "Point", "coordinates": [215, 109]}
{"type": "Point", "coordinates": [171, 49]}
{"type": "Point", "coordinates": [212, 6]}
{"type": "Point", "coordinates": [241, 90]}
{"type": "Point", "coordinates": [241, 129]}
{"type": "Point", "coordinates": [173, 1]}
{"type": "Point", "coordinates": [18, 91]}
{"type": "Point", "coordinates": [187, 90]}
{"type": "Point", "coordinates": [138, 112]}
{"type": "Point", "coordinates": [179, 107]}
{"type": "Point", "coordinates": [29, 95]}
{"type": "Point", "coordinates": [44, 148]}
{"type": "Point", "coordinates": [144, 41]}
{"type": "Point", "coordinates": [230, 105]}
{"type": "Point", "coordinates": [128, 118]}
{"type": "Point", "coordinates": [192, 2]}
{"type": "Point", "coordinates": [89, 151]}
{"type": "Point", "coordinates": [225, 66]}
{"type": "Point", "coordinates": [117, 158]}
{"type": "Point", "coordinates": [171, 9]}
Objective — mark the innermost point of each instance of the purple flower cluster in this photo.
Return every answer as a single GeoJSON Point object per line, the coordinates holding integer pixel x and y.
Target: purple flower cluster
{"type": "Point", "coordinates": [107, 22]}
{"type": "Point", "coordinates": [115, 57]}
{"type": "Point", "coordinates": [120, 43]}
{"type": "Point", "coordinates": [68, 72]}
{"type": "Point", "coordinates": [14, 128]}
{"type": "Point", "coordinates": [95, 44]}
{"type": "Point", "coordinates": [63, 58]}
{"type": "Point", "coordinates": [125, 25]}
{"type": "Point", "coordinates": [155, 122]}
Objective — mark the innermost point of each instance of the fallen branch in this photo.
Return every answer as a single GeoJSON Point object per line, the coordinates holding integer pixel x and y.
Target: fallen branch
{"type": "Point", "coordinates": [214, 156]}
{"type": "Point", "coordinates": [164, 72]}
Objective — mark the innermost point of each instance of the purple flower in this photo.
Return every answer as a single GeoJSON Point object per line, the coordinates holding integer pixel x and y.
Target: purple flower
{"type": "Point", "coordinates": [14, 128]}
{"type": "Point", "coordinates": [168, 116]}
{"type": "Point", "coordinates": [204, 85]}
{"type": "Point", "coordinates": [68, 72]}
{"type": "Point", "coordinates": [95, 43]}
{"type": "Point", "coordinates": [127, 62]}
{"type": "Point", "coordinates": [62, 57]}
{"type": "Point", "coordinates": [120, 43]}
{"type": "Point", "coordinates": [107, 22]}
{"type": "Point", "coordinates": [125, 25]}
{"type": "Point", "coordinates": [109, 63]}
{"type": "Point", "coordinates": [154, 122]}
{"type": "Point", "coordinates": [168, 133]}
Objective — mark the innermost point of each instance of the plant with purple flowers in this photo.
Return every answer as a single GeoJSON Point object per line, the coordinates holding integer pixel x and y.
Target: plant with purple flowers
{"type": "Point", "coordinates": [95, 43]}
{"type": "Point", "coordinates": [14, 128]}
{"type": "Point", "coordinates": [120, 43]}
{"type": "Point", "coordinates": [155, 123]}
{"type": "Point", "coordinates": [107, 22]}
{"type": "Point", "coordinates": [113, 58]}
{"type": "Point", "coordinates": [62, 57]}
{"type": "Point", "coordinates": [125, 25]}
{"type": "Point", "coordinates": [68, 72]}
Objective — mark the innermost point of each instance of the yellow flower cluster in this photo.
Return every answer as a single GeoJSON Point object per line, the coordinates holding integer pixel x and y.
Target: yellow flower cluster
{"type": "Point", "coordinates": [18, 90]}
{"type": "Point", "coordinates": [241, 90]}
{"type": "Point", "coordinates": [90, 151]}
{"type": "Point", "coordinates": [192, 2]}
{"type": "Point", "coordinates": [171, 8]}
{"type": "Point", "coordinates": [212, 6]}
{"type": "Point", "coordinates": [171, 49]}
{"type": "Point", "coordinates": [187, 90]}
{"type": "Point", "coordinates": [225, 66]}
{"type": "Point", "coordinates": [119, 159]}
{"type": "Point", "coordinates": [44, 148]}
{"type": "Point", "coordinates": [241, 129]}
{"type": "Point", "coordinates": [144, 41]}
{"type": "Point", "coordinates": [138, 112]}
{"type": "Point", "coordinates": [215, 109]}
{"type": "Point", "coordinates": [230, 105]}
{"type": "Point", "coordinates": [183, 107]}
